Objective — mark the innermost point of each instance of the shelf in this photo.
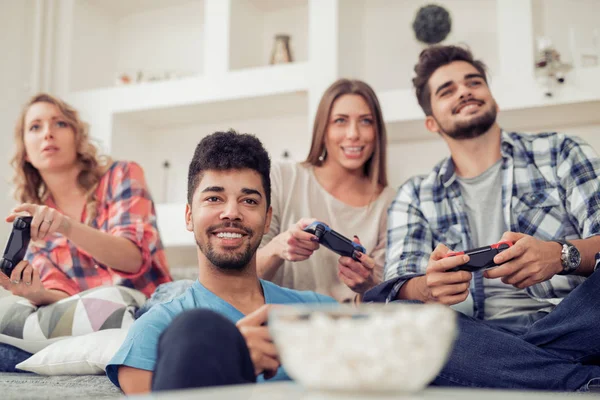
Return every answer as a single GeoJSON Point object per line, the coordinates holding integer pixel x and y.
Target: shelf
{"type": "Point", "coordinates": [253, 25]}
{"type": "Point", "coordinates": [573, 28]}
{"type": "Point", "coordinates": [223, 48]}
{"type": "Point", "coordinates": [573, 103]}
{"type": "Point", "coordinates": [377, 36]}
{"type": "Point", "coordinates": [153, 39]}
{"type": "Point", "coordinates": [249, 83]}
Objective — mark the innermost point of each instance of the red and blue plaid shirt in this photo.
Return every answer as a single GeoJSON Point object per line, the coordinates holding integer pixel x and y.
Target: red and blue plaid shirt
{"type": "Point", "coordinates": [124, 209]}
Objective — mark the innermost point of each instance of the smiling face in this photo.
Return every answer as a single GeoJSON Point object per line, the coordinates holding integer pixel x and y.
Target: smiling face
{"type": "Point", "coordinates": [48, 138]}
{"type": "Point", "coordinates": [351, 133]}
{"type": "Point", "coordinates": [461, 102]}
{"type": "Point", "coordinates": [229, 217]}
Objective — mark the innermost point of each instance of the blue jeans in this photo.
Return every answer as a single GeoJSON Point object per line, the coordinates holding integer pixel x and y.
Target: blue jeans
{"type": "Point", "coordinates": [11, 356]}
{"type": "Point", "coordinates": [560, 351]}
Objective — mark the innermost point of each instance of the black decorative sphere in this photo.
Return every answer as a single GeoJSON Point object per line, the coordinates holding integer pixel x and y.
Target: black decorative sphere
{"type": "Point", "coordinates": [432, 24]}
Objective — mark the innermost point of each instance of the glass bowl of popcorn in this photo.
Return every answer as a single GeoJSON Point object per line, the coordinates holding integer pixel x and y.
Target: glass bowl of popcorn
{"type": "Point", "coordinates": [395, 347]}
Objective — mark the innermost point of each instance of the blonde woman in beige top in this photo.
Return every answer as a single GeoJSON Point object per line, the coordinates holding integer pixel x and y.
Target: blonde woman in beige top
{"type": "Point", "coordinates": [343, 182]}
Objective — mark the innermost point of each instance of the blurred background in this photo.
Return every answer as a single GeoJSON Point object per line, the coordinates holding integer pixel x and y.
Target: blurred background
{"type": "Point", "coordinates": [152, 77]}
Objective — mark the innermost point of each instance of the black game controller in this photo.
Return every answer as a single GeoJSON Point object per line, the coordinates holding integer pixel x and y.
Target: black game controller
{"type": "Point", "coordinates": [17, 245]}
{"type": "Point", "coordinates": [333, 240]}
{"type": "Point", "coordinates": [480, 258]}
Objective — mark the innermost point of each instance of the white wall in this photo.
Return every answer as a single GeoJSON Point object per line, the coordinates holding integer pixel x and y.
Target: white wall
{"type": "Point", "coordinates": [419, 157]}
{"type": "Point", "coordinates": [16, 24]}
{"type": "Point", "coordinates": [93, 60]}
{"type": "Point", "coordinates": [558, 19]}
{"type": "Point", "coordinates": [162, 40]}
{"type": "Point", "coordinates": [391, 51]}
{"type": "Point", "coordinates": [150, 148]}
{"type": "Point", "coordinates": [107, 43]}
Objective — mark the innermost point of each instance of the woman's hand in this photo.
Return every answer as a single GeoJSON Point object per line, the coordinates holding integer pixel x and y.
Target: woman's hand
{"type": "Point", "coordinates": [24, 281]}
{"type": "Point", "coordinates": [358, 275]}
{"type": "Point", "coordinates": [295, 244]}
{"type": "Point", "coordinates": [46, 220]}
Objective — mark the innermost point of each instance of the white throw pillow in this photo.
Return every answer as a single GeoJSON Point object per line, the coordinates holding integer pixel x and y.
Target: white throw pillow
{"type": "Point", "coordinates": [78, 355]}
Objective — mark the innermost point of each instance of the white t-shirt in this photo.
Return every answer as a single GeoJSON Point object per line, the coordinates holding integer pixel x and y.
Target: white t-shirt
{"type": "Point", "coordinates": [296, 194]}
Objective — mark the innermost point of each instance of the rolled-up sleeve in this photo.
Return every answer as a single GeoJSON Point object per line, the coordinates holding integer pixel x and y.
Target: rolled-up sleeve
{"type": "Point", "coordinates": [131, 214]}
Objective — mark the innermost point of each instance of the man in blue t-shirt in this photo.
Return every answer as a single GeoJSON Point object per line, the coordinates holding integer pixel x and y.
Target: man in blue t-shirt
{"type": "Point", "coordinates": [215, 333]}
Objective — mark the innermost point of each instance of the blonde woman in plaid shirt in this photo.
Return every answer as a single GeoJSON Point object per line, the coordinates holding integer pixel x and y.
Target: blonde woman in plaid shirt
{"type": "Point", "coordinates": [93, 221]}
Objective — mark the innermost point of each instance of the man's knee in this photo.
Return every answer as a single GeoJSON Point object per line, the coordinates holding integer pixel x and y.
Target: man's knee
{"type": "Point", "coordinates": [193, 330]}
{"type": "Point", "coordinates": [201, 348]}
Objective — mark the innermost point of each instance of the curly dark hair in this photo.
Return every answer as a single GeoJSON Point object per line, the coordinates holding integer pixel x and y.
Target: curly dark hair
{"type": "Point", "coordinates": [433, 58]}
{"type": "Point", "coordinates": [222, 151]}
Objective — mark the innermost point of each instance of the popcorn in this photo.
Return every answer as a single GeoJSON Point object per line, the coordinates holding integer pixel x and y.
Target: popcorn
{"type": "Point", "coordinates": [396, 347]}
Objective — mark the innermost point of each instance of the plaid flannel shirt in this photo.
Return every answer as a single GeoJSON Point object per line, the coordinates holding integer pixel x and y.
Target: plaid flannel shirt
{"type": "Point", "coordinates": [550, 190]}
{"type": "Point", "coordinates": [125, 209]}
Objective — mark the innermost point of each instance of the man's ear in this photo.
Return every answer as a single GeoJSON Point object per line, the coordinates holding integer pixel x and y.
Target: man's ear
{"type": "Point", "coordinates": [188, 218]}
{"type": "Point", "coordinates": [431, 124]}
{"type": "Point", "coordinates": [268, 220]}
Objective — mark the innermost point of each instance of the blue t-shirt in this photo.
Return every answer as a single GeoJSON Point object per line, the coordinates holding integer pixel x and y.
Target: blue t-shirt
{"type": "Point", "coordinates": [140, 346]}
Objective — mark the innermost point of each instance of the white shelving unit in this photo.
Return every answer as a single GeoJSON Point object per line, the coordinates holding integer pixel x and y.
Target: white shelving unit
{"type": "Point", "coordinates": [223, 47]}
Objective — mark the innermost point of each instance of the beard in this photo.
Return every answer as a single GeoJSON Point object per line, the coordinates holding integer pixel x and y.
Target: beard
{"type": "Point", "coordinates": [472, 128]}
{"type": "Point", "coordinates": [232, 260]}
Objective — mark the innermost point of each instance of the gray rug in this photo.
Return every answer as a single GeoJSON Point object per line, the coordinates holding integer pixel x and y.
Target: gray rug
{"type": "Point", "coordinates": [31, 386]}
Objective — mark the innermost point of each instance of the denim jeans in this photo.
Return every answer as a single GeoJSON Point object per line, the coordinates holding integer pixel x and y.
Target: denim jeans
{"type": "Point", "coordinates": [201, 349]}
{"type": "Point", "coordinates": [11, 356]}
{"type": "Point", "coordinates": [560, 351]}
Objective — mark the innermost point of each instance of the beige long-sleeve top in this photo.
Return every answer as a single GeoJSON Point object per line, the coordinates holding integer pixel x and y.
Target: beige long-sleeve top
{"type": "Point", "coordinates": [297, 194]}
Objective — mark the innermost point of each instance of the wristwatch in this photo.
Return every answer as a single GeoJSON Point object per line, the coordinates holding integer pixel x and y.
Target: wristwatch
{"type": "Point", "coordinates": [569, 257]}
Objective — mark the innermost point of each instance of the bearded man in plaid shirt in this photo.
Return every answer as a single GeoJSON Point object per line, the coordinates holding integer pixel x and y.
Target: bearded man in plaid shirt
{"type": "Point", "coordinates": [531, 322]}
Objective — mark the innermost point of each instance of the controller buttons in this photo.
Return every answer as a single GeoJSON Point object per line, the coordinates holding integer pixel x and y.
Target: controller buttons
{"type": "Point", "coordinates": [503, 246]}
{"type": "Point", "coordinates": [319, 231]}
{"type": "Point", "coordinates": [20, 224]}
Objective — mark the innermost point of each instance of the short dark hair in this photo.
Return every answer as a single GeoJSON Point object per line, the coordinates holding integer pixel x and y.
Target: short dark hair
{"type": "Point", "coordinates": [222, 151]}
{"type": "Point", "coordinates": [433, 58]}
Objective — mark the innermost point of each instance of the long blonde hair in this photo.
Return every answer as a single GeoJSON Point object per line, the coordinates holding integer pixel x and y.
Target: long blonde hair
{"type": "Point", "coordinates": [375, 167]}
{"type": "Point", "coordinates": [28, 183]}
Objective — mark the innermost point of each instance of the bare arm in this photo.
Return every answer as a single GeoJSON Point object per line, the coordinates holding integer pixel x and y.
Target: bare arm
{"type": "Point", "coordinates": [268, 260]}
{"type": "Point", "coordinates": [291, 245]}
{"type": "Point", "coordinates": [414, 289]}
{"type": "Point", "coordinates": [134, 380]}
{"type": "Point", "coordinates": [113, 251]}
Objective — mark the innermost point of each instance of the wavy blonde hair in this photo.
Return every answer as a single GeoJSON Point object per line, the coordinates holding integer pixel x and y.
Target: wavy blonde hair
{"type": "Point", "coordinates": [28, 183]}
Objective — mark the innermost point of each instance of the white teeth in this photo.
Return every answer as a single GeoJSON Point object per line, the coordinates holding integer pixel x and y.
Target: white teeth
{"type": "Point", "coordinates": [229, 235]}
{"type": "Point", "coordinates": [468, 106]}
{"type": "Point", "coordinates": [353, 149]}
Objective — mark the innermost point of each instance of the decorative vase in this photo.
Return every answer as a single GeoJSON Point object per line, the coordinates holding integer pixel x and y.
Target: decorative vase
{"type": "Point", "coordinates": [281, 50]}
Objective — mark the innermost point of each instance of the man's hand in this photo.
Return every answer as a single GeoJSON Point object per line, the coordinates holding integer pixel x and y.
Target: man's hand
{"type": "Point", "coordinates": [258, 339]}
{"type": "Point", "coordinates": [527, 262]}
{"type": "Point", "coordinates": [442, 286]}
{"type": "Point", "coordinates": [361, 275]}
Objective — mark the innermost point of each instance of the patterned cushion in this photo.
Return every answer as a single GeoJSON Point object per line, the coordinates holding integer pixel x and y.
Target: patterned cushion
{"type": "Point", "coordinates": [31, 328]}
